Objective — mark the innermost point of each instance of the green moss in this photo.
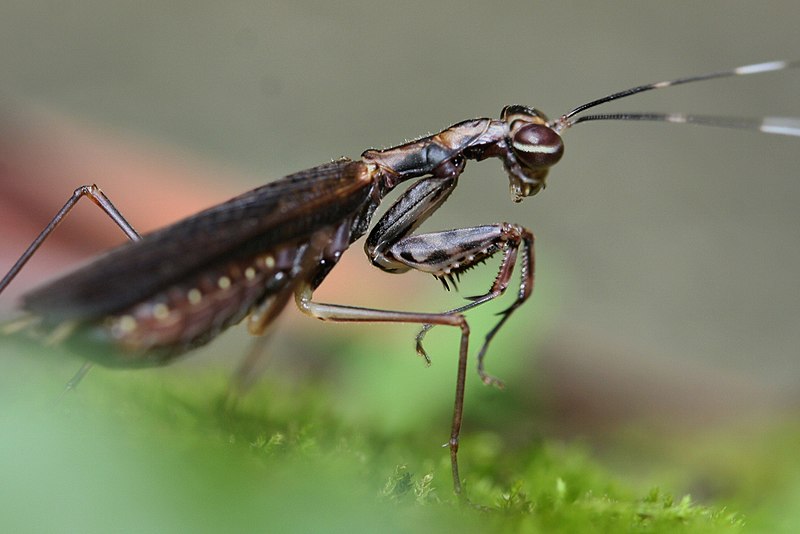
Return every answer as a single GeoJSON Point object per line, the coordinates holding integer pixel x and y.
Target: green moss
{"type": "Point", "coordinates": [162, 450]}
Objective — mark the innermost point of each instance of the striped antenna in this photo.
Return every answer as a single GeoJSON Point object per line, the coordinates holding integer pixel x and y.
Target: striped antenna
{"type": "Point", "coordinates": [772, 125]}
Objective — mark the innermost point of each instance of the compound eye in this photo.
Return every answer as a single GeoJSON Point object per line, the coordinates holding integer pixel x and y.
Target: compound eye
{"type": "Point", "coordinates": [537, 146]}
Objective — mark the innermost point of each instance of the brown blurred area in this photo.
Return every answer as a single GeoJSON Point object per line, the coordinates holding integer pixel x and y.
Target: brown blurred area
{"type": "Point", "coordinates": [45, 155]}
{"type": "Point", "coordinates": [596, 386]}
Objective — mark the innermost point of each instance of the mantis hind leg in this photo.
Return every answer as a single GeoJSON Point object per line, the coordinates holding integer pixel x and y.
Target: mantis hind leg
{"type": "Point", "coordinates": [102, 201]}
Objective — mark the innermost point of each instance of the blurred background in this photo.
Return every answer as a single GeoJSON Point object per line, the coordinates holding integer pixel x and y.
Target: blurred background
{"type": "Point", "coordinates": [667, 256]}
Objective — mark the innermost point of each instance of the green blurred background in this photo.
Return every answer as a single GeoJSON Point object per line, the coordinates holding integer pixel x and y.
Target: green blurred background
{"type": "Point", "coordinates": [667, 256]}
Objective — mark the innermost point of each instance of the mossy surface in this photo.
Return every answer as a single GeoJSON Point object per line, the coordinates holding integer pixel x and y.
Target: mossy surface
{"type": "Point", "coordinates": [165, 450]}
